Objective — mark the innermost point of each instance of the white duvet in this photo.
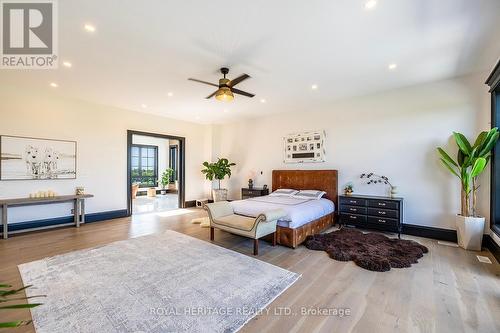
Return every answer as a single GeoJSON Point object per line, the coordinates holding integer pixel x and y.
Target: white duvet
{"type": "Point", "coordinates": [298, 211]}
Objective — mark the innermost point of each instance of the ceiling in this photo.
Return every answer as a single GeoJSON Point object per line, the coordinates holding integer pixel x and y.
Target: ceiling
{"type": "Point", "coordinates": [142, 50]}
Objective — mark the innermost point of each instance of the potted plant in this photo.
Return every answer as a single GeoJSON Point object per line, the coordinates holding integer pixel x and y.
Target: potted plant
{"type": "Point", "coordinates": [470, 163]}
{"type": "Point", "coordinates": [165, 179]}
{"type": "Point", "coordinates": [218, 171]}
{"type": "Point", "coordinates": [348, 189]}
{"type": "Point", "coordinates": [9, 295]}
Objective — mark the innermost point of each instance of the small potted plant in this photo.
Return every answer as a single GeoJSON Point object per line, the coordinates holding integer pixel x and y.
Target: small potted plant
{"type": "Point", "coordinates": [165, 180]}
{"type": "Point", "coordinates": [470, 163]}
{"type": "Point", "coordinates": [218, 170]}
{"type": "Point", "coordinates": [348, 189]}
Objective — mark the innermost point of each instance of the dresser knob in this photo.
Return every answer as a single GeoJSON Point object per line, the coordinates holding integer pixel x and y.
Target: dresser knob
{"type": "Point", "coordinates": [381, 221]}
{"type": "Point", "coordinates": [352, 217]}
{"type": "Point", "coordinates": [381, 204]}
{"type": "Point", "coordinates": [381, 213]}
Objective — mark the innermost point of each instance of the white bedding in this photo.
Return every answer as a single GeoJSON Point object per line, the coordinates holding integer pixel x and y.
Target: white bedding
{"type": "Point", "coordinates": [298, 211]}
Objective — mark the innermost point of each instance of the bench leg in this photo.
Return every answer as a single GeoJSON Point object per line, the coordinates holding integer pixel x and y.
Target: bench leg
{"type": "Point", "coordinates": [275, 236]}
{"type": "Point", "coordinates": [4, 222]}
{"type": "Point", "coordinates": [255, 247]}
{"type": "Point", "coordinates": [211, 233]}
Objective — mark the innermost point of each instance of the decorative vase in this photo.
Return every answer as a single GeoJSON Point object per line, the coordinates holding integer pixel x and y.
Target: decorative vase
{"type": "Point", "coordinates": [348, 192]}
{"type": "Point", "coordinates": [250, 183]}
{"type": "Point", "coordinates": [470, 232]}
{"type": "Point", "coordinates": [220, 194]}
{"type": "Point", "coordinates": [394, 191]}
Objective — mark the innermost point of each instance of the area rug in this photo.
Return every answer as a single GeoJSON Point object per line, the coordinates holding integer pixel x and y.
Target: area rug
{"type": "Point", "coordinates": [160, 283]}
{"type": "Point", "coordinates": [371, 251]}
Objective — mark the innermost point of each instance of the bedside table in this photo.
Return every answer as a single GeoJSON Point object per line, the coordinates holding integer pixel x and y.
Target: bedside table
{"type": "Point", "coordinates": [253, 192]}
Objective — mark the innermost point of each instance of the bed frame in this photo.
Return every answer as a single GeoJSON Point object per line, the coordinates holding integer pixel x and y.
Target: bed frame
{"type": "Point", "coordinates": [324, 180]}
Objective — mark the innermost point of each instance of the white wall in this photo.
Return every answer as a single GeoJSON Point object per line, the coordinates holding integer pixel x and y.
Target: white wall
{"type": "Point", "coordinates": [101, 134]}
{"type": "Point", "coordinates": [393, 133]}
{"type": "Point", "coordinates": [163, 146]}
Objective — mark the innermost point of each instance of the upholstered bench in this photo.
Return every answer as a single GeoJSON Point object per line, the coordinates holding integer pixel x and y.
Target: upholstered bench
{"type": "Point", "coordinates": [222, 217]}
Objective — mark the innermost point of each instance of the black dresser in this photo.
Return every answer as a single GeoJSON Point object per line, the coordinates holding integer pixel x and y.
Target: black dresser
{"type": "Point", "coordinates": [372, 212]}
{"type": "Point", "coordinates": [253, 192]}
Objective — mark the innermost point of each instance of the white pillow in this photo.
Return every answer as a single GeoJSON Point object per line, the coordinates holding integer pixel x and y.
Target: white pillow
{"type": "Point", "coordinates": [284, 192]}
{"type": "Point", "coordinates": [310, 194]}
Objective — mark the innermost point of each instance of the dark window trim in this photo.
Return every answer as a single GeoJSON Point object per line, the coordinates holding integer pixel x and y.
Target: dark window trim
{"type": "Point", "coordinates": [155, 175]}
{"type": "Point", "coordinates": [493, 81]}
{"type": "Point", "coordinates": [182, 165]}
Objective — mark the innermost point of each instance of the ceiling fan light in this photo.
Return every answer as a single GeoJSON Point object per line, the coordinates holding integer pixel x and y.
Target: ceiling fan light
{"type": "Point", "coordinates": [224, 94]}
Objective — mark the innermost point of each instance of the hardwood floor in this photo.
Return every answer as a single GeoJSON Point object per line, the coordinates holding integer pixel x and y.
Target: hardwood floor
{"type": "Point", "coordinates": [449, 290]}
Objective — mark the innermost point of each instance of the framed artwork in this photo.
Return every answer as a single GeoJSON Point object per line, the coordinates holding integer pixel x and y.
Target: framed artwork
{"type": "Point", "coordinates": [23, 158]}
{"type": "Point", "coordinates": [304, 147]}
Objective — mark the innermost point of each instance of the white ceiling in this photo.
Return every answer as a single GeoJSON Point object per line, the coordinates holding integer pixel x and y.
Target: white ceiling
{"type": "Point", "coordinates": [141, 50]}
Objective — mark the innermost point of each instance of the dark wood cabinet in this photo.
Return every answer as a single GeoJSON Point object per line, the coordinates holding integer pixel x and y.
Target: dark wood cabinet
{"type": "Point", "coordinates": [253, 192]}
{"type": "Point", "coordinates": [372, 212]}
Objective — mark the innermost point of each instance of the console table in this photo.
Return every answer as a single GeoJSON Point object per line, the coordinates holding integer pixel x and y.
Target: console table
{"type": "Point", "coordinates": [78, 207]}
{"type": "Point", "coordinates": [375, 212]}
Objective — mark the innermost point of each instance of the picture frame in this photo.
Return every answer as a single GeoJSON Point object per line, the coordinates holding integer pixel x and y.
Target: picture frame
{"type": "Point", "coordinates": [30, 158]}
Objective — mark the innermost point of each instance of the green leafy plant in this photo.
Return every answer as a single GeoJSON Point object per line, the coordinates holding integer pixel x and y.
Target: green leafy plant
{"type": "Point", "coordinates": [9, 295]}
{"type": "Point", "coordinates": [166, 176]}
{"type": "Point", "coordinates": [217, 170]}
{"type": "Point", "coordinates": [470, 163]}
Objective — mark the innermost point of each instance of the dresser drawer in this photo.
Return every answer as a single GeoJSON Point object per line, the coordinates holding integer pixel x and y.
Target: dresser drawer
{"type": "Point", "coordinates": [353, 209]}
{"type": "Point", "coordinates": [352, 201]}
{"type": "Point", "coordinates": [388, 204]}
{"type": "Point", "coordinates": [383, 212]}
{"type": "Point", "coordinates": [251, 192]}
{"type": "Point", "coordinates": [382, 221]}
{"type": "Point", "coordinates": [347, 218]}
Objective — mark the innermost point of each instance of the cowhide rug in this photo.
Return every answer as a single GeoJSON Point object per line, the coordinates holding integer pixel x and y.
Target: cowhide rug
{"type": "Point", "coordinates": [371, 251]}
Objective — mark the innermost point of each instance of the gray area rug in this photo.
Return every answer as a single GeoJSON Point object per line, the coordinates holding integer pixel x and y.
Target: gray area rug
{"type": "Point", "coordinates": [160, 283]}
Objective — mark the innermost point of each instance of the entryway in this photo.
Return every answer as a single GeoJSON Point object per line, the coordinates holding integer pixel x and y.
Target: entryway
{"type": "Point", "coordinates": [155, 172]}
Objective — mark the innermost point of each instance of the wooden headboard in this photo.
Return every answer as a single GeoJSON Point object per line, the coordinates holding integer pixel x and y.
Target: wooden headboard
{"type": "Point", "coordinates": [324, 180]}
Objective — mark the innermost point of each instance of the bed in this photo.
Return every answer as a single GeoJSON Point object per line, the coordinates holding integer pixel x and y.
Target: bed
{"type": "Point", "coordinates": [304, 217]}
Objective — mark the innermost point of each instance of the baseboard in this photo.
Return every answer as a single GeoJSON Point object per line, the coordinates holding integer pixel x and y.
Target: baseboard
{"type": "Point", "coordinates": [491, 245]}
{"type": "Point", "coordinates": [89, 218]}
{"type": "Point", "coordinates": [429, 232]}
{"type": "Point", "coordinates": [190, 203]}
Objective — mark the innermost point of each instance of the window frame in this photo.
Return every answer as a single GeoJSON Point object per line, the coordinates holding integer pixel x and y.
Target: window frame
{"type": "Point", "coordinates": [142, 147]}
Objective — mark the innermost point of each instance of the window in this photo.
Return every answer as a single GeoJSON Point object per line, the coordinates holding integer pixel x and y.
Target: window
{"type": "Point", "coordinates": [144, 165]}
{"type": "Point", "coordinates": [173, 162]}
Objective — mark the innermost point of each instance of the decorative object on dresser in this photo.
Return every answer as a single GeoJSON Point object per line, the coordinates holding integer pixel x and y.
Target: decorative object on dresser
{"type": "Point", "coordinates": [218, 171]}
{"type": "Point", "coordinates": [376, 179]}
{"type": "Point", "coordinates": [253, 192]}
{"type": "Point", "coordinates": [250, 183]}
{"type": "Point", "coordinates": [304, 147]}
{"type": "Point", "coordinates": [348, 189]}
{"type": "Point", "coordinates": [372, 212]}
{"type": "Point", "coordinates": [24, 158]}
{"type": "Point", "coordinates": [471, 162]}
{"type": "Point", "coordinates": [371, 251]}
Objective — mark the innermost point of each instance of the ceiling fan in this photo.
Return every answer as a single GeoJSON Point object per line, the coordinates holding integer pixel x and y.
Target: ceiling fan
{"type": "Point", "coordinates": [226, 87]}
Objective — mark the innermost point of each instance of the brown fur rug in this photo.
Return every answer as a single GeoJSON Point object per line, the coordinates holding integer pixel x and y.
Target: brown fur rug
{"type": "Point", "coordinates": [371, 251]}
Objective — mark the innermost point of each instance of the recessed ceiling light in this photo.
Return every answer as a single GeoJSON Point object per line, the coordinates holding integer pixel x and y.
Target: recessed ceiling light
{"type": "Point", "coordinates": [89, 27]}
{"type": "Point", "coordinates": [67, 64]}
{"type": "Point", "coordinates": [370, 4]}
{"type": "Point", "coordinates": [263, 100]}
{"type": "Point", "coordinates": [54, 85]}
{"type": "Point", "coordinates": [144, 106]}
{"type": "Point", "coordinates": [392, 66]}
{"type": "Point", "coordinates": [170, 94]}
{"type": "Point", "coordinates": [314, 87]}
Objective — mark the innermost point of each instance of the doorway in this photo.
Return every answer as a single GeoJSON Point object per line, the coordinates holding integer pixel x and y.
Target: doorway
{"type": "Point", "coordinates": [155, 172]}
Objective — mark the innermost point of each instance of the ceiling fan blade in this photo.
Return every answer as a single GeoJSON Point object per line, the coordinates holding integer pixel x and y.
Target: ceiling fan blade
{"type": "Point", "coordinates": [205, 82]}
{"type": "Point", "coordinates": [240, 78]}
{"type": "Point", "coordinates": [212, 95]}
{"type": "Point", "coordinates": [241, 92]}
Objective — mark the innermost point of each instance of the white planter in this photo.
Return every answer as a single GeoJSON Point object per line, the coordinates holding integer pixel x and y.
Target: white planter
{"type": "Point", "coordinates": [220, 195]}
{"type": "Point", "coordinates": [470, 232]}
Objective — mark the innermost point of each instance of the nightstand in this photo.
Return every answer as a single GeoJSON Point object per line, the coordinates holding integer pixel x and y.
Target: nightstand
{"type": "Point", "coordinates": [253, 192]}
